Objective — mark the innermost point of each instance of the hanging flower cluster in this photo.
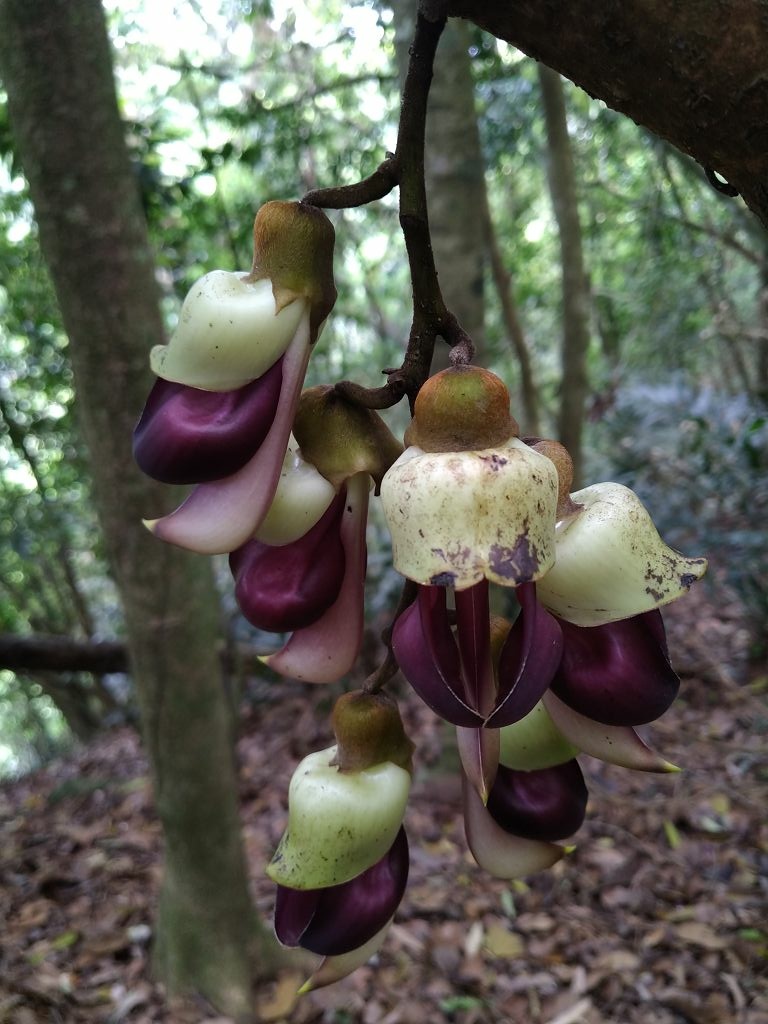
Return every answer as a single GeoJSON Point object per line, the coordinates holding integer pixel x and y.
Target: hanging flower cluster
{"type": "Point", "coordinates": [282, 482]}
{"type": "Point", "coordinates": [585, 659]}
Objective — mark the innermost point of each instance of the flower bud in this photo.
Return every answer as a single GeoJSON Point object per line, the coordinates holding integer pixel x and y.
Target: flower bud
{"type": "Point", "coordinates": [293, 249]}
{"type": "Point", "coordinates": [368, 731]}
{"type": "Point", "coordinates": [341, 438]}
{"type": "Point", "coordinates": [460, 409]}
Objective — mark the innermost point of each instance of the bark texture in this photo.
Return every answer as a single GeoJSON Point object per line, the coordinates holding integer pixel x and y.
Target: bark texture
{"type": "Point", "coordinates": [695, 72]}
{"type": "Point", "coordinates": [56, 66]}
{"type": "Point", "coordinates": [575, 309]}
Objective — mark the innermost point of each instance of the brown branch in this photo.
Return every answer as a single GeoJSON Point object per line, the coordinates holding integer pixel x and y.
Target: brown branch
{"type": "Point", "coordinates": [389, 666]}
{"type": "Point", "coordinates": [46, 652]}
{"type": "Point", "coordinates": [405, 167]}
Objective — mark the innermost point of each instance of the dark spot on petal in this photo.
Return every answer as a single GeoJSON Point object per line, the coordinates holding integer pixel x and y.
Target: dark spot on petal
{"type": "Point", "coordinates": [519, 563]}
{"type": "Point", "coordinates": [443, 579]}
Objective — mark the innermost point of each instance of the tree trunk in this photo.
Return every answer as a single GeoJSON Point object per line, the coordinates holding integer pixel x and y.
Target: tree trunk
{"type": "Point", "coordinates": [562, 187]}
{"type": "Point", "coordinates": [454, 173]}
{"type": "Point", "coordinates": [57, 70]}
{"type": "Point", "coordinates": [504, 284]}
{"type": "Point", "coordinates": [693, 72]}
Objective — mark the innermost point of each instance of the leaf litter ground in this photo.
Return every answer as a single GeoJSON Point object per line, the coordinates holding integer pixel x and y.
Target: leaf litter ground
{"type": "Point", "coordinates": [659, 916]}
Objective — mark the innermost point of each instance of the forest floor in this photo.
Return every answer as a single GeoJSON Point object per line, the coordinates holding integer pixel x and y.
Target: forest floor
{"type": "Point", "coordinates": [659, 916]}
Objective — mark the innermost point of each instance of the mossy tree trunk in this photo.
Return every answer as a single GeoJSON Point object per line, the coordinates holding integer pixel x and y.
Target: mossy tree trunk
{"type": "Point", "coordinates": [56, 65]}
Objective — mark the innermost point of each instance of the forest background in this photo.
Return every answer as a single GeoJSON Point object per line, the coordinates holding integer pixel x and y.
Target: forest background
{"type": "Point", "coordinates": [586, 257]}
{"type": "Point", "coordinates": [230, 104]}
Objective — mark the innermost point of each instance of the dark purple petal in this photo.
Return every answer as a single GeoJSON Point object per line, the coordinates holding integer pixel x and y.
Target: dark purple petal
{"type": "Point", "coordinates": [473, 632]}
{"type": "Point", "coordinates": [186, 435]}
{"type": "Point", "coordinates": [294, 909]}
{"type": "Point", "coordinates": [429, 659]}
{"type": "Point", "coordinates": [345, 916]}
{"type": "Point", "coordinates": [326, 650]}
{"type": "Point", "coordinates": [528, 660]}
{"type": "Point", "coordinates": [548, 804]}
{"type": "Point", "coordinates": [287, 587]}
{"type": "Point", "coordinates": [618, 673]}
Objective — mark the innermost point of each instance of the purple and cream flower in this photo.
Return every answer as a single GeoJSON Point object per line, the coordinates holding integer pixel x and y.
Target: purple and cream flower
{"type": "Point", "coordinates": [220, 414]}
{"type": "Point", "coordinates": [587, 648]}
{"type": "Point", "coordinates": [342, 865]}
{"type": "Point", "coordinates": [304, 571]}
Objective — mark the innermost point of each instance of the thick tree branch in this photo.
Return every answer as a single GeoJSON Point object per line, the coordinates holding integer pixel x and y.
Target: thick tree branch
{"type": "Point", "coordinates": [695, 73]}
{"type": "Point", "coordinates": [46, 652]}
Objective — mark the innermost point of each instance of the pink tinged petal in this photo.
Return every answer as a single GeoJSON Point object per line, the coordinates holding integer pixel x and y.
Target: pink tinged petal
{"type": "Point", "coordinates": [616, 744]}
{"type": "Point", "coordinates": [187, 436]}
{"type": "Point", "coordinates": [334, 968]}
{"type": "Point", "coordinates": [496, 851]}
{"type": "Point", "coordinates": [479, 752]}
{"type": "Point", "coordinates": [473, 632]}
{"type": "Point", "coordinates": [287, 587]}
{"type": "Point", "coordinates": [549, 803]}
{"type": "Point", "coordinates": [528, 660]}
{"type": "Point", "coordinates": [326, 650]}
{"type": "Point", "coordinates": [341, 918]}
{"type": "Point", "coordinates": [429, 659]}
{"type": "Point", "coordinates": [618, 673]}
{"type": "Point", "coordinates": [222, 515]}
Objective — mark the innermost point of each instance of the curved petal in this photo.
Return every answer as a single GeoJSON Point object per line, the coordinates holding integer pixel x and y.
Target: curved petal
{"type": "Point", "coordinates": [334, 968]}
{"type": "Point", "coordinates": [611, 562]}
{"type": "Point", "coordinates": [528, 660]}
{"type": "Point", "coordinates": [616, 744]}
{"type": "Point", "coordinates": [479, 753]}
{"type": "Point", "coordinates": [189, 436]}
{"type": "Point", "coordinates": [457, 517]}
{"type": "Point", "coordinates": [280, 589]}
{"type": "Point", "coordinates": [496, 851]}
{"type": "Point", "coordinates": [534, 742]}
{"type": "Point", "coordinates": [429, 659]}
{"type": "Point", "coordinates": [546, 804]}
{"type": "Point", "coordinates": [220, 516]}
{"type": "Point", "coordinates": [339, 823]}
{"type": "Point", "coordinates": [617, 673]}
{"type": "Point", "coordinates": [345, 917]}
{"type": "Point", "coordinates": [294, 909]}
{"type": "Point", "coordinates": [326, 650]}
{"type": "Point", "coordinates": [230, 331]}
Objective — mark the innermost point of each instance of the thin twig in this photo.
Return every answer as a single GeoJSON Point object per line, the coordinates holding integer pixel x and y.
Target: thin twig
{"type": "Point", "coordinates": [405, 168]}
{"type": "Point", "coordinates": [389, 666]}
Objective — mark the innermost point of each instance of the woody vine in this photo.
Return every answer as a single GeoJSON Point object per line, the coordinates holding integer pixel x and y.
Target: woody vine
{"type": "Point", "coordinates": [282, 483]}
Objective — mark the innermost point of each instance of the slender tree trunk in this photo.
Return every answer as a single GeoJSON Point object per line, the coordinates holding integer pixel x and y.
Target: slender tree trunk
{"type": "Point", "coordinates": [562, 186]}
{"type": "Point", "coordinates": [502, 280]}
{"type": "Point", "coordinates": [454, 172]}
{"type": "Point", "coordinates": [57, 70]}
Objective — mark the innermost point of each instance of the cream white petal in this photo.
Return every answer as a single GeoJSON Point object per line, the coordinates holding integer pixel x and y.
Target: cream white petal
{"type": "Point", "coordinates": [611, 562]}
{"type": "Point", "coordinates": [228, 334]}
{"type": "Point", "coordinates": [301, 498]}
{"type": "Point", "coordinates": [458, 517]}
{"type": "Point", "coordinates": [339, 824]}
